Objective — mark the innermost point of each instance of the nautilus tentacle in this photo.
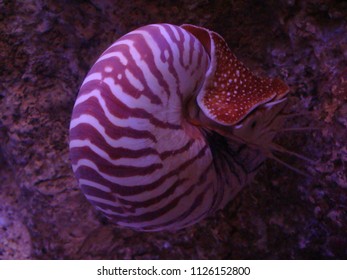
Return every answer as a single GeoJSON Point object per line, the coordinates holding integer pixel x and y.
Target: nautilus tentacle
{"type": "Point", "coordinates": [160, 135]}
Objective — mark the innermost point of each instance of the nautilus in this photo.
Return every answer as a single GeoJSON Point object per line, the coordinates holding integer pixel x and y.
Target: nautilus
{"type": "Point", "coordinates": [169, 126]}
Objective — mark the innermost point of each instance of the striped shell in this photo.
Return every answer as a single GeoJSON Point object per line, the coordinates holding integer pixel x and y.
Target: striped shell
{"type": "Point", "coordinates": [153, 129]}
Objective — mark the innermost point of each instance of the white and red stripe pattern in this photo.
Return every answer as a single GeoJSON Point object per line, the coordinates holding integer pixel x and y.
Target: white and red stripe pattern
{"type": "Point", "coordinates": [134, 153]}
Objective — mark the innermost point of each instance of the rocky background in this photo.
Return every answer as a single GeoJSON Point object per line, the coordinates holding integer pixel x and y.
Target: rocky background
{"type": "Point", "coordinates": [46, 49]}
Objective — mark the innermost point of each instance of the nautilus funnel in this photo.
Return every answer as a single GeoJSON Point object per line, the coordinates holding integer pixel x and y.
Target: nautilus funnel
{"type": "Point", "coordinates": [140, 155]}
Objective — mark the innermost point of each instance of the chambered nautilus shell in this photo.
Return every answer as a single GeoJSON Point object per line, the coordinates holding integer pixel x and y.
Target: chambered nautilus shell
{"type": "Point", "coordinates": [169, 126]}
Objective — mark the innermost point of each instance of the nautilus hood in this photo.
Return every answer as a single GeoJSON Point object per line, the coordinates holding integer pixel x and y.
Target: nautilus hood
{"type": "Point", "coordinates": [230, 90]}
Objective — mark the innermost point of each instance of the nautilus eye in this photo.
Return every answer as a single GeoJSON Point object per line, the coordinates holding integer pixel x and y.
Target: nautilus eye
{"type": "Point", "coordinates": [152, 130]}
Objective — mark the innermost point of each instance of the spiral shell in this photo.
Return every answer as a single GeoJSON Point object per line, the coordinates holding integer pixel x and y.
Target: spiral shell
{"type": "Point", "coordinates": [152, 127]}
